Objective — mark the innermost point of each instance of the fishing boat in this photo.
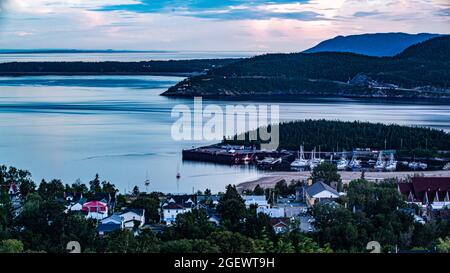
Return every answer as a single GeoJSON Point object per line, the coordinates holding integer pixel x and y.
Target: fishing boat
{"type": "Point", "coordinates": [314, 161]}
{"type": "Point", "coordinates": [355, 163]}
{"type": "Point", "coordinates": [380, 164]}
{"type": "Point", "coordinates": [246, 159]}
{"type": "Point", "coordinates": [342, 164]}
{"type": "Point", "coordinates": [391, 164]}
{"type": "Point", "coordinates": [417, 165]}
{"type": "Point", "coordinates": [300, 161]}
{"type": "Point", "coordinates": [446, 167]}
{"type": "Point", "coordinates": [270, 161]}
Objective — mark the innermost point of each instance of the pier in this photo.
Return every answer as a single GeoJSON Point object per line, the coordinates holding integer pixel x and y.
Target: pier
{"type": "Point", "coordinates": [230, 154]}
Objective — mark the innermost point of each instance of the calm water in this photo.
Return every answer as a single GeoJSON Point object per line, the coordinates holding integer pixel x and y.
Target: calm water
{"type": "Point", "coordinates": [119, 127]}
{"type": "Point", "coordinates": [122, 57]}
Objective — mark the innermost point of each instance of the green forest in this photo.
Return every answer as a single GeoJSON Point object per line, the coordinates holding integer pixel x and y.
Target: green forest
{"type": "Point", "coordinates": [421, 70]}
{"type": "Point", "coordinates": [338, 135]}
{"type": "Point", "coordinates": [116, 68]}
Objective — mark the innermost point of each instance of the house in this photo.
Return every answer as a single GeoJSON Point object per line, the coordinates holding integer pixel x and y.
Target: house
{"type": "Point", "coordinates": [95, 210]}
{"type": "Point", "coordinates": [208, 200]}
{"type": "Point", "coordinates": [319, 192]}
{"type": "Point", "coordinates": [110, 224]}
{"type": "Point", "coordinates": [184, 199]}
{"type": "Point", "coordinates": [171, 210]}
{"type": "Point", "coordinates": [280, 225]}
{"type": "Point", "coordinates": [73, 197]}
{"type": "Point", "coordinates": [107, 198]}
{"type": "Point", "coordinates": [133, 218]}
{"type": "Point", "coordinates": [272, 212]}
{"type": "Point", "coordinates": [431, 192]}
{"type": "Point", "coordinates": [258, 200]}
{"type": "Point", "coordinates": [215, 219]}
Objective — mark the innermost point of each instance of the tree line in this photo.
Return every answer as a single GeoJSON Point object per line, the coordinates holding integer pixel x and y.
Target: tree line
{"type": "Point", "coordinates": [368, 212]}
{"type": "Point", "coordinates": [337, 136]}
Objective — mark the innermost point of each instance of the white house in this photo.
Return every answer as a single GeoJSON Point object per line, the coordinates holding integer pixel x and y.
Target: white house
{"type": "Point", "coordinates": [130, 216]}
{"type": "Point", "coordinates": [259, 200]}
{"type": "Point", "coordinates": [171, 210]}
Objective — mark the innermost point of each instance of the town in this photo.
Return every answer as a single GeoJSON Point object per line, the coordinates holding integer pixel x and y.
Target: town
{"type": "Point", "coordinates": [310, 215]}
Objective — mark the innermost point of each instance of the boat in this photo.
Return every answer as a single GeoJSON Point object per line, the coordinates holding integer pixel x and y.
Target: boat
{"type": "Point", "coordinates": [342, 164]}
{"type": "Point", "coordinates": [417, 165]}
{"type": "Point", "coordinates": [146, 182]}
{"type": "Point", "coordinates": [391, 165]}
{"type": "Point", "coordinates": [355, 163]}
{"type": "Point", "coordinates": [380, 164]}
{"type": "Point", "coordinates": [446, 167]}
{"type": "Point", "coordinates": [314, 161]}
{"type": "Point", "coordinates": [300, 161]}
{"type": "Point", "coordinates": [246, 159]}
{"type": "Point", "coordinates": [270, 161]}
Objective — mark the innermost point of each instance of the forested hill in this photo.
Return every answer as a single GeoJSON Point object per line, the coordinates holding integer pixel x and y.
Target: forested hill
{"type": "Point", "coordinates": [338, 135]}
{"type": "Point", "coordinates": [182, 67]}
{"type": "Point", "coordinates": [421, 71]}
{"type": "Point", "coordinates": [437, 50]}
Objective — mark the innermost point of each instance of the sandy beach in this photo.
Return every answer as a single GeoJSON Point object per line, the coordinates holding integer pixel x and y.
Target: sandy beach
{"type": "Point", "coordinates": [270, 180]}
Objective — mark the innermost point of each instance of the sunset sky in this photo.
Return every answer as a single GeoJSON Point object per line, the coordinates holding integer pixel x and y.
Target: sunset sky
{"type": "Point", "coordinates": [209, 25]}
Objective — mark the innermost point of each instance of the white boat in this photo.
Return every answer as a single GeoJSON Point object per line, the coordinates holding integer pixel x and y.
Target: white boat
{"type": "Point", "coordinates": [270, 161]}
{"type": "Point", "coordinates": [391, 164]}
{"type": "Point", "coordinates": [314, 161]}
{"type": "Point", "coordinates": [246, 159]}
{"type": "Point", "coordinates": [446, 167]}
{"type": "Point", "coordinates": [300, 161]}
{"type": "Point", "coordinates": [380, 164]}
{"type": "Point", "coordinates": [355, 163]}
{"type": "Point", "coordinates": [342, 164]}
{"type": "Point", "coordinates": [417, 165]}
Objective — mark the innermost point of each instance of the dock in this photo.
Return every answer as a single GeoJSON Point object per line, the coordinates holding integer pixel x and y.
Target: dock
{"type": "Point", "coordinates": [230, 154]}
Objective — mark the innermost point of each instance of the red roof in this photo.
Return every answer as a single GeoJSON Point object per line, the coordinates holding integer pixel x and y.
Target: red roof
{"type": "Point", "coordinates": [422, 188]}
{"type": "Point", "coordinates": [95, 206]}
{"type": "Point", "coordinates": [431, 183]}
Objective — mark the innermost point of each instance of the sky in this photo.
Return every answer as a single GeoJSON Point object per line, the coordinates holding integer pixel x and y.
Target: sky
{"type": "Point", "coordinates": [209, 25]}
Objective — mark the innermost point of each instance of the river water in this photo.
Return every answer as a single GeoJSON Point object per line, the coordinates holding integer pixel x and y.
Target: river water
{"type": "Point", "coordinates": [119, 127]}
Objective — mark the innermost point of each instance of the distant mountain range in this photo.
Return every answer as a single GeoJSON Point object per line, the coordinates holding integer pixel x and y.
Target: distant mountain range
{"type": "Point", "coordinates": [420, 71]}
{"type": "Point", "coordinates": [377, 44]}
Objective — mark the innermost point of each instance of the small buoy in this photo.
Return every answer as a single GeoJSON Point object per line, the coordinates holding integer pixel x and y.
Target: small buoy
{"type": "Point", "coordinates": [178, 175]}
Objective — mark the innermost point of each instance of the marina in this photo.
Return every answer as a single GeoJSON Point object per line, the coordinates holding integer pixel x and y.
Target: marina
{"type": "Point", "coordinates": [284, 160]}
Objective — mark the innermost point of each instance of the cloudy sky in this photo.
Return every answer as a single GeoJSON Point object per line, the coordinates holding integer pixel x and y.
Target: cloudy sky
{"type": "Point", "coordinates": [246, 25]}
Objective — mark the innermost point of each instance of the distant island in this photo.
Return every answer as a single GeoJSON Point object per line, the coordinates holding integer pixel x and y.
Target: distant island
{"type": "Point", "coordinates": [178, 68]}
{"type": "Point", "coordinates": [420, 71]}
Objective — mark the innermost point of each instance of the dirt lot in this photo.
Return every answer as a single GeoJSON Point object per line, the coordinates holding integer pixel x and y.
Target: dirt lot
{"type": "Point", "coordinates": [270, 180]}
